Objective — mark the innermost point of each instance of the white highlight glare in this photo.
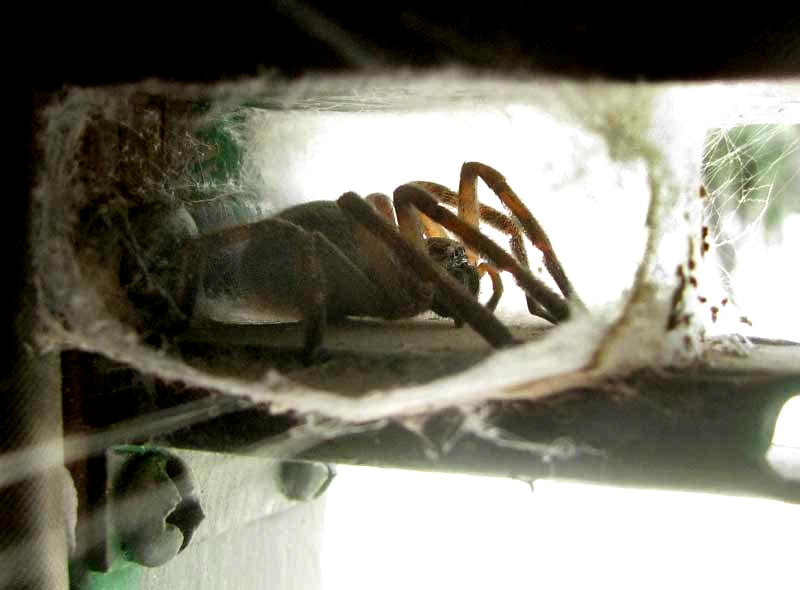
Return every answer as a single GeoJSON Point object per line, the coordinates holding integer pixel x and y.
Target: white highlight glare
{"type": "Point", "coordinates": [784, 454]}
{"type": "Point", "coordinates": [787, 429]}
{"type": "Point", "coordinates": [766, 282]}
{"type": "Point", "coordinates": [398, 530]}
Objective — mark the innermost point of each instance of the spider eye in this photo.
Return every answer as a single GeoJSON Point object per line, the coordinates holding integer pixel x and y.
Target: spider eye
{"type": "Point", "coordinates": [459, 255]}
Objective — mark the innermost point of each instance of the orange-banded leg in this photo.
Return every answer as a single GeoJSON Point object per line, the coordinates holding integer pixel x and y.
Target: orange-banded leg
{"type": "Point", "coordinates": [470, 171]}
{"type": "Point", "coordinates": [437, 242]}
{"type": "Point", "coordinates": [408, 245]}
{"type": "Point", "coordinates": [467, 203]}
{"type": "Point", "coordinates": [433, 230]}
{"type": "Point", "coordinates": [497, 220]}
{"type": "Point", "coordinates": [497, 284]}
{"type": "Point", "coordinates": [384, 206]}
{"type": "Point", "coordinates": [412, 196]}
{"type": "Point", "coordinates": [487, 214]}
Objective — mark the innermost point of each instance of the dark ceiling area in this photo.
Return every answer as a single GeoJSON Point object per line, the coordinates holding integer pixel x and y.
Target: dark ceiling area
{"type": "Point", "coordinates": [294, 38]}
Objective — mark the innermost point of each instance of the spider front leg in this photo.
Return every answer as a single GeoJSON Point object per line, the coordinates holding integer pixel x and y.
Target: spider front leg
{"type": "Point", "coordinates": [411, 197]}
{"type": "Point", "coordinates": [470, 210]}
{"type": "Point", "coordinates": [487, 214]}
{"type": "Point", "coordinates": [470, 171]}
{"type": "Point", "coordinates": [408, 245]}
{"type": "Point", "coordinates": [383, 205]}
{"type": "Point", "coordinates": [497, 284]}
{"type": "Point", "coordinates": [497, 220]}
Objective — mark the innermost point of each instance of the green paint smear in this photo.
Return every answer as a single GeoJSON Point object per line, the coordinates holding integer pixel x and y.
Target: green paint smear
{"type": "Point", "coordinates": [227, 151]}
{"type": "Point", "coordinates": [122, 575]}
{"type": "Point", "coordinates": [127, 576]}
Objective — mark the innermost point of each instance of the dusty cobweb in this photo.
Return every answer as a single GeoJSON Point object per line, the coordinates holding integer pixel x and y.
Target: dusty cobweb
{"type": "Point", "coordinates": [651, 138]}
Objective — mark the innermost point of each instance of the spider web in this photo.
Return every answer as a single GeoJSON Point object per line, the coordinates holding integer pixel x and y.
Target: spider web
{"type": "Point", "coordinates": [752, 174]}
{"type": "Point", "coordinates": [622, 166]}
{"type": "Point", "coordinates": [651, 139]}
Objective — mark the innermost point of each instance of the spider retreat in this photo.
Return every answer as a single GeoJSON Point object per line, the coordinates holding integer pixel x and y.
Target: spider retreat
{"type": "Point", "coordinates": [386, 258]}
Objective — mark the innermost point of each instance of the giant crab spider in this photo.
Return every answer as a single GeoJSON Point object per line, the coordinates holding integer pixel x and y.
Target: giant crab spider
{"type": "Point", "coordinates": [389, 259]}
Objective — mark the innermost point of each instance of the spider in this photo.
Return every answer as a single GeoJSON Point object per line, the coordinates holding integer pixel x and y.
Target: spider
{"type": "Point", "coordinates": [391, 259]}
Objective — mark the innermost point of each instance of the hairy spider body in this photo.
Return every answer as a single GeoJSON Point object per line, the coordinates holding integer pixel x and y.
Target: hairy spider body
{"type": "Point", "coordinates": [375, 257]}
{"type": "Point", "coordinates": [311, 250]}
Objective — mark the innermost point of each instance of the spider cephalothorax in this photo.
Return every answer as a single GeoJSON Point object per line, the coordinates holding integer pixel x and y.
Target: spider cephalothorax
{"type": "Point", "coordinates": [453, 258]}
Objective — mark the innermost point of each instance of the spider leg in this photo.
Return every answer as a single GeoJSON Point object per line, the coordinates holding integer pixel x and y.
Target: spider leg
{"type": "Point", "coordinates": [433, 229]}
{"type": "Point", "coordinates": [470, 171]}
{"type": "Point", "coordinates": [487, 214]}
{"type": "Point", "coordinates": [384, 206]}
{"type": "Point", "coordinates": [409, 196]}
{"type": "Point", "coordinates": [495, 219]}
{"type": "Point", "coordinates": [408, 245]}
{"type": "Point", "coordinates": [497, 284]}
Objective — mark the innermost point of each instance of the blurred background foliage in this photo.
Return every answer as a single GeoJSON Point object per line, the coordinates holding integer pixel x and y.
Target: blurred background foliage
{"type": "Point", "coordinates": [753, 175]}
